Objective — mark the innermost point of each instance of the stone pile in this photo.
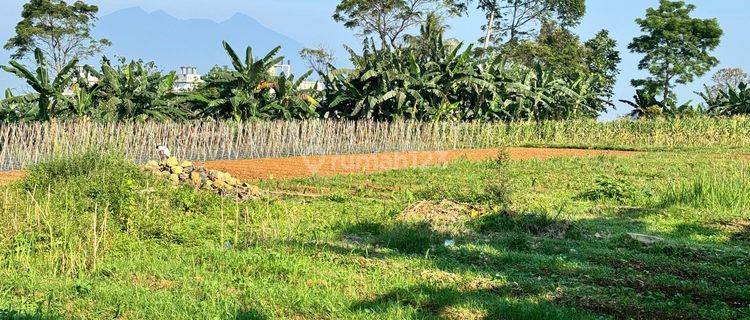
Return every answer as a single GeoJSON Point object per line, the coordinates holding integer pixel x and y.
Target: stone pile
{"type": "Point", "coordinates": [184, 172]}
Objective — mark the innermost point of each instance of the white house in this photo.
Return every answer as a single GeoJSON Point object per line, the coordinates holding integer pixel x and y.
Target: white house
{"type": "Point", "coordinates": [187, 79]}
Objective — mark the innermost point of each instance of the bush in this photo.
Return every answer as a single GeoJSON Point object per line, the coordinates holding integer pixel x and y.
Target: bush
{"type": "Point", "coordinates": [66, 168]}
{"type": "Point", "coordinates": [617, 189]}
{"type": "Point", "coordinates": [87, 205]}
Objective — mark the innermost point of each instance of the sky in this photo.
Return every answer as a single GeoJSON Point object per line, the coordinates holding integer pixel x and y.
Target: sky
{"type": "Point", "coordinates": [309, 22]}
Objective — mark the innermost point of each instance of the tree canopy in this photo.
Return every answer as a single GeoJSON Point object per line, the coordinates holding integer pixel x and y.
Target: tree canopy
{"type": "Point", "coordinates": [560, 51]}
{"type": "Point", "coordinates": [388, 20]}
{"type": "Point", "coordinates": [512, 20]}
{"type": "Point", "coordinates": [676, 46]}
{"type": "Point", "coordinates": [60, 30]}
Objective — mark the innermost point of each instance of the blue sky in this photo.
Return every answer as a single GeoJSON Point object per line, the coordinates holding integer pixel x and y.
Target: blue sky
{"type": "Point", "coordinates": [309, 22]}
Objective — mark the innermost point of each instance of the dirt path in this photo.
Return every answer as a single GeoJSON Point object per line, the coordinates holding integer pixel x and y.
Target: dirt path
{"type": "Point", "coordinates": [299, 167]}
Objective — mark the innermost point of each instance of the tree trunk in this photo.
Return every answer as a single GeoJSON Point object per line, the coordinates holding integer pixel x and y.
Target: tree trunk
{"type": "Point", "coordinates": [490, 23]}
{"type": "Point", "coordinates": [666, 86]}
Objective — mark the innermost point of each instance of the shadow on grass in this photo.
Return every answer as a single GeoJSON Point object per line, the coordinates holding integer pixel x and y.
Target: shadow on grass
{"type": "Point", "coordinates": [250, 315]}
{"type": "Point", "coordinates": [487, 303]}
{"type": "Point", "coordinates": [18, 315]}
{"type": "Point", "coordinates": [742, 235]}
{"type": "Point", "coordinates": [573, 266]}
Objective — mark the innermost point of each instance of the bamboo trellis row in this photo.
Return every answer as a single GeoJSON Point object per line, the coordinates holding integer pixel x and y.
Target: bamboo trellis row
{"type": "Point", "coordinates": [28, 143]}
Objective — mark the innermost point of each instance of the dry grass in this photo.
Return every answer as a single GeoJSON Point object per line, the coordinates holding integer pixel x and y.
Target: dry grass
{"type": "Point", "coordinates": [25, 144]}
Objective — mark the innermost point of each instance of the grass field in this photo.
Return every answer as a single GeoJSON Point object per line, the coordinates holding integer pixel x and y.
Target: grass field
{"type": "Point", "coordinates": [93, 237]}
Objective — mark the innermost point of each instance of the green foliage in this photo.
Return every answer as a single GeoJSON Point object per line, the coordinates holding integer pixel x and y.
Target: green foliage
{"type": "Point", "coordinates": [708, 192]}
{"type": "Point", "coordinates": [602, 59]}
{"type": "Point", "coordinates": [250, 92]}
{"type": "Point", "coordinates": [66, 168]}
{"type": "Point", "coordinates": [439, 81]}
{"type": "Point", "coordinates": [510, 21]}
{"type": "Point", "coordinates": [387, 20]}
{"type": "Point", "coordinates": [676, 46]}
{"type": "Point", "coordinates": [617, 189]}
{"type": "Point", "coordinates": [61, 30]}
{"type": "Point", "coordinates": [534, 224]}
{"type": "Point", "coordinates": [129, 91]}
{"type": "Point", "coordinates": [730, 101]}
{"type": "Point", "coordinates": [645, 105]}
{"type": "Point", "coordinates": [16, 108]}
{"type": "Point", "coordinates": [589, 68]}
{"type": "Point", "coordinates": [49, 98]}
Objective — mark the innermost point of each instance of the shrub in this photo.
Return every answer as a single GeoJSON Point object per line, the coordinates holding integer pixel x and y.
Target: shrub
{"type": "Point", "coordinates": [617, 189]}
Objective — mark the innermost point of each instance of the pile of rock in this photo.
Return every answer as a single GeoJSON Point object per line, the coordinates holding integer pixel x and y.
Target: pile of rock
{"type": "Point", "coordinates": [184, 172]}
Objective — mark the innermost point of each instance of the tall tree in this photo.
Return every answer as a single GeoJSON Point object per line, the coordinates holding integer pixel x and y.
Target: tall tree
{"type": "Point", "coordinates": [559, 50]}
{"type": "Point", "coordinates": [388, 20]}
{"type": "Point", "coordinates": [603, 59]}
{"type": "Point", "coordinates": [513, 20]}
{"type": "Point", "coordinates": [60, 30]}
{"type": "Point", "coordinates": [676, 46]}
{"type": "Point", "coordinates": [318, 58]}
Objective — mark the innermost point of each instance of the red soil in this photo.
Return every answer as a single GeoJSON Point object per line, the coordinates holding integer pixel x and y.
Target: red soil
{"type": "Point", "coordinates": [300, 167]}
{"type": "Point", "coordinates": [10, 176]}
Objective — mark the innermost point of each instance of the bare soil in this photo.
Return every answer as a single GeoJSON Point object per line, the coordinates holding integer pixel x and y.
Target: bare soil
{"type": "Point", "coordinates": [306, 166]}
{"type": "Point", "coordinates": [300, 167]}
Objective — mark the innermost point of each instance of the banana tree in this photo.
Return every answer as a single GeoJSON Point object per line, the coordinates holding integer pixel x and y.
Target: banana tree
{"type": "Point", "coordinates": [49, 92]}
{"type": "Point", "coordinates": [730, 101]}
{"type": "Point", "coordinates": [83, 101]}
{"type": "Point", "coordinates": [248, 91]}
{"type": "Point", "coordinates": [291, 101]}
{"type": "Point", "coordinates": [134, 91]}
{"type": "Point", "coordinates": [16, 108]}
{"type": "Point", "coordinates": [644, 104]}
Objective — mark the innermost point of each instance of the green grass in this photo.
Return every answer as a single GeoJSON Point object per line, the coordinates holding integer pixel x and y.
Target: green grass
{"type": "Point", "coordinates": [543, 240]}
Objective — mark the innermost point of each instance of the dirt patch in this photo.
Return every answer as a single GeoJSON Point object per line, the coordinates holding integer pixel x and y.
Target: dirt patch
{"type": "Point", "coordinates": [740, 230]}
{"type": "Point", "coordinates": [306, 166]}
{"type": "Point", "coordinates": [440, 212]}
{"type": "Point", "coordinates": [10, 176]}
{"type": "Point", "coordinates": [447, 218]}
{"type": "Point", "coordinates": [300, 167]}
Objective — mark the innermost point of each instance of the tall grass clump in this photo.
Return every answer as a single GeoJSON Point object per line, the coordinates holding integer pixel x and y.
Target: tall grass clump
{"type": "Point", "coordinates": [728, 192]}
{"type": "Point", "coordinates": [69, 213]}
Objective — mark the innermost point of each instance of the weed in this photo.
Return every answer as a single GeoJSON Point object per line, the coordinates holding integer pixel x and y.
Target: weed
{"type": "Point", "coordinates": [730, 192]}
{"type": "Point", "coordinates": [617, 189]}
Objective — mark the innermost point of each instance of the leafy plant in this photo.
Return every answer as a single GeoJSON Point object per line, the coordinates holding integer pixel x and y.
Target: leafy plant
{"type": "Point", "coordinates": [49, 92]}
{"type": "Point", "coordinates": [729, 101]}
{"type": "Point", "coordinates": [645, 105]}
{"type": "Point", "coordinates": [617, 189]}
{"type": "Point", "coordinates": [437, 80]}
{"type": "Point", "coordinates": [129, 91]}
{"type": "Point", "coordinates": [248, 91]}
{"type": "Point", "coordinates": [16, 108]}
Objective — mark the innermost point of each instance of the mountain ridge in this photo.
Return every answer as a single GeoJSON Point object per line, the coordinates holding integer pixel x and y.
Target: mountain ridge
{"type": "Point", "coordinates": [172, 42]}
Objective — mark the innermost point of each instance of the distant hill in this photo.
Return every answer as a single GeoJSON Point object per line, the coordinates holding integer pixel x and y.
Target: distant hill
{"type": "Point", "coordinates": [173, 42]}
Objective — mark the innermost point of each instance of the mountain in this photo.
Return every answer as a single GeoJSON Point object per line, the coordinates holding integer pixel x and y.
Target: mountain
{"type": "Point", "coordinates": [173, 42]}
